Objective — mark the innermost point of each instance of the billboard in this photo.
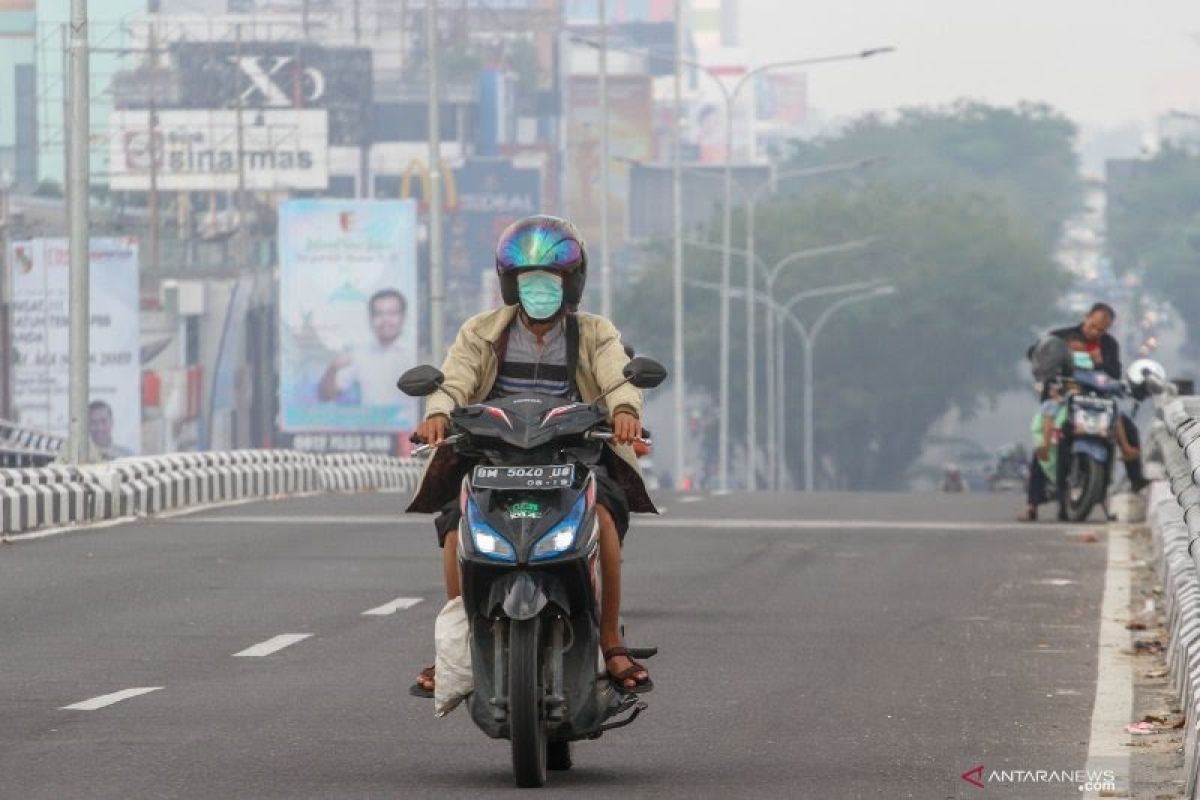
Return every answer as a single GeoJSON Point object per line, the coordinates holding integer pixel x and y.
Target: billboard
{"type": "Point", "coordinates": [348, 314]}
{"type": "Point", "coordinates": [198, 150]}
{"type": "Point", "coordinates": [339, 80]}
{"type": "Point", "coordinates": [630, 109]}
{"type": "Point", "coordinates": [40, 335]}
{"type": "Point", "coordinates": [491, 194]}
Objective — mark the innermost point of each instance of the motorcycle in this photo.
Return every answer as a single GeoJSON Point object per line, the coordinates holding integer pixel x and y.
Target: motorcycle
{"type": "Point", "coordinates": [1090, 424]}
{"type": "Point", "coordinates": [529, 562]}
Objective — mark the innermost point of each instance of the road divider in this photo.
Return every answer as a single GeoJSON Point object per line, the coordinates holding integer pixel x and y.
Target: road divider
{"type": "Point", "coordinates": [1174, 516]}
{"type": "Point", "coordinates": [54, 496]}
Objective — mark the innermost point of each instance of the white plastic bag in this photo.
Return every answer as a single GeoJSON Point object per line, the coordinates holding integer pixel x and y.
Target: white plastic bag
{"type": "Point", "coordinates": [452, 674]}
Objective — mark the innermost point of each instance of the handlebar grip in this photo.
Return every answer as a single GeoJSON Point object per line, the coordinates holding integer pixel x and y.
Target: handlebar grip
{"type": "Point", "coordinates": [414, 439]}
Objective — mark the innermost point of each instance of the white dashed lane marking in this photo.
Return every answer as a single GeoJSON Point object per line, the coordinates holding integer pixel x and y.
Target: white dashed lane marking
{"type": "Point", "coordinates": [108, 699]}
{"type": "Point", "coordinates": [273, 645]}
{"type": "Point", "coordinates": [399, 604]}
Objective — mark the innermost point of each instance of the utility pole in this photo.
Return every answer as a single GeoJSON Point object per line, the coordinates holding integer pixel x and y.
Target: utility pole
{"type": "Point", "coordinates": [154, 150]}
{"type": "Point", "coordinates": [680, 387]}
{"type": "Point", "coordinates": [437, 290]}
{"type": "Point", "coordinates": [78, 125]}
{"type": "Point", "coordinates": [606, 281]}
{"type": "Point", "coordinates": [6, 185]}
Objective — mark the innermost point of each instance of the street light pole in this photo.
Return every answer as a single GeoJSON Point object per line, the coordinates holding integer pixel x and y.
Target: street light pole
{"type": "Point", "coordinates": [437, 292]}
{"type": "Point", "coordinates": [730, 95]}
{"type": "Point", "coordinates": [771, 275]}
{"type": "Point", "coordinates": [808, 337]}
{"type": "Point", "coordinates": [77, 212]}
{"type": "Point", "coordinates": [602, 86]}
{"type": "Point", "coordinates": [680, 386]}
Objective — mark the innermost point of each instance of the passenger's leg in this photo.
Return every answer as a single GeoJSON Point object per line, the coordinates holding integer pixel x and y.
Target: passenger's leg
{"type": "Point", "coordinates": [1133, 466]}
{"type": "Point", "coordinates": [450, 566]}
{"type": "Point", "coordinates": [610, 595]}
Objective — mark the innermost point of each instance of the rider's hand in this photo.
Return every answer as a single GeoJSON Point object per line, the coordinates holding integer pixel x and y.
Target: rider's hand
{"type": "Point", "coordinates": [432, 430]}
{"type": "Point", "coordinates": [626, 427]}
{"type": "Point", "coordinates": [1043, 452]}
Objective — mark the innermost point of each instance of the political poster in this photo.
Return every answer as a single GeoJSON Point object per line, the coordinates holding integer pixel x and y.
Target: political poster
{"type": "Point", "coordinates": [348, 314]}
{"type": "Point", "coordinates": [40, 283]}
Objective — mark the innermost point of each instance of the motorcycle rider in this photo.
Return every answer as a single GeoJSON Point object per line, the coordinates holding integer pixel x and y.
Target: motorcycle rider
{"type": "Point", "coordinates": [1092, 336]}
{"type": "Point", "coordinates": [537, 342]}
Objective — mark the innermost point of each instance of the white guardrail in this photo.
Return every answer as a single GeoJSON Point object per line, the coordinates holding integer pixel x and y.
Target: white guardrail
{"type": "Point", "coordinates": [53, 496]}
{"type": "Point", "coordinates": [1174, 516]}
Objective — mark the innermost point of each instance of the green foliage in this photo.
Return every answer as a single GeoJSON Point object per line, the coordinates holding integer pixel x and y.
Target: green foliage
{"type": "Point", "coordinates": [1154, 229]}
{"type": "Point", "coordinates": [965, 243]}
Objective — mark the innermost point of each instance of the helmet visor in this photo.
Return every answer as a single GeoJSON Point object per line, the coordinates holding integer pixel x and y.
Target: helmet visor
{"type": "Point", "coordinates": [538, 247]}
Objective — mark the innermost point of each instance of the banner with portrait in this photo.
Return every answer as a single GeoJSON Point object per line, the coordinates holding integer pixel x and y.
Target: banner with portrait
{"type": "Point", "coordinates": [40, 330]}
{"type": "Point", "coordinates": [348, 314]}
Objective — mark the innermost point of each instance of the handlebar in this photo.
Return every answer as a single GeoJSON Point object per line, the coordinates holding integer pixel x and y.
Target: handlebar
{"type": "Point", "coordinates": [427, 448]}
{"type": "Point", "coordinates": [604, 436]}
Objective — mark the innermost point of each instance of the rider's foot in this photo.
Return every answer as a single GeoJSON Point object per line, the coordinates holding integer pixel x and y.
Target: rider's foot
{"type": "Point", "coordinates": [626, 672]}
{"type": "Point", "coordinates": [1029, 515]}
{"type": "Point", "coordinates": [424, 684]}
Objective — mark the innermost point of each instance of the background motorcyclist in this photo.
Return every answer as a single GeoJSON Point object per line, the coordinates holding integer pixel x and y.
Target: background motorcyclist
{"type": "Point", "coordinates": [1091, 335]}
{"type": "Point", "coordinates": [538, 343]}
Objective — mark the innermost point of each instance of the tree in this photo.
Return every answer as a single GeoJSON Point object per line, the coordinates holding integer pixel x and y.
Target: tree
{"type": "Point", "coordinates": [970, 257]}
{"type": "Point", "coordinates": [1154, 228]}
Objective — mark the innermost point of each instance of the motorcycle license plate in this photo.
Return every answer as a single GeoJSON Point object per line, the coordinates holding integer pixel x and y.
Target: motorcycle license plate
{"type": "Point", "coordinates": [554, 476]}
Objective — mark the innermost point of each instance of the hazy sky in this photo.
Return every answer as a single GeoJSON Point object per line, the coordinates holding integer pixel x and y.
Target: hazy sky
{"type": "Point", "coordinates": [1104, 62]}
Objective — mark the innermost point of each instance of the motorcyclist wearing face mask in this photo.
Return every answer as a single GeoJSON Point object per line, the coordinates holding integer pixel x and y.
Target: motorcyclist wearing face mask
{"type": "Point", "coordinates": [538, 343]}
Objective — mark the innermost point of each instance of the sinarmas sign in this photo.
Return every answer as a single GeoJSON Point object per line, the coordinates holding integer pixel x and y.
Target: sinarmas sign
{"type": "Point", "coordinates": [199, 150]}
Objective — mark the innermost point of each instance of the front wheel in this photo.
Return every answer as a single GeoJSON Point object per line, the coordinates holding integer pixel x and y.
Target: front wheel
{"type": "Point", "coordinates": [1086, 485]}
{"type": "Point", "coordinates": [526, 729]}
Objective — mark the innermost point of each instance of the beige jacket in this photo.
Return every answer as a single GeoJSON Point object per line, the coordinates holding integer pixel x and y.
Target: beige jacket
{"type": "Point", "coordinates": [471, 368]}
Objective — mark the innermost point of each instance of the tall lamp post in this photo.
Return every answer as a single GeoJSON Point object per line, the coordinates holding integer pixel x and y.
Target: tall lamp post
{"type": "Point", "coordinates": [774, 363]}
{"type": "Point", "coordinates": [437, 289]}
{"type": "Point", "coordinates": [809, 338]}
{"type": "Point", "coordinates": [730, 95]}
{"type": "Point", "coordinates": [750, 199]}
{"type": "Point", "coordinates": [78, 172]}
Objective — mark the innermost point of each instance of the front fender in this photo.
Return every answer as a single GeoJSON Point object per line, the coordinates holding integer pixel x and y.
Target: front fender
{"type": "Point", "coordinates": [523, 595]}
{"type": "Point", "coordinates": [1095, 448]}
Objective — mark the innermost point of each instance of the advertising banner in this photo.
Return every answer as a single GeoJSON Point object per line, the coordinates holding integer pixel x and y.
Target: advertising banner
{"type": "Point", "coordinates": [348, 314]}
{"type": "Point", "coordinates": [630, 109]}
{"type": "Point", "coordinates": [40, 283]}
{"type": "Point", "coordinates": [197, 150]}
{"type": "Point", "coordinates": [216, 74]}
{"type": "Point", "coordinates": [491, 195]}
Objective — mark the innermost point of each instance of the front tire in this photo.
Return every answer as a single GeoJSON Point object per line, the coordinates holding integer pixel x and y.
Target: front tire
{"type": "Point", "coordinates": [526, 729]}
{"type": "Point", "coordinates": [1086, 484]}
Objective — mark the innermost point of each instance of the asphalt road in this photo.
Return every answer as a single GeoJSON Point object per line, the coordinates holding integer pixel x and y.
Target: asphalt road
{"type": "Point", "coordinates": [835, 646]}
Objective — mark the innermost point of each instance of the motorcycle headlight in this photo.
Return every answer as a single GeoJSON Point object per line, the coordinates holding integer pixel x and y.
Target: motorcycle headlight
{"type": "Point", "coordinates": [561, 537]}
{"type": "Point", "coordinates": [486, 540]}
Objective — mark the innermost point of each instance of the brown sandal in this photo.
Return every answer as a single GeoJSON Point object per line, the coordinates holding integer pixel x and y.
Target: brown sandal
{"type": "Point", "coordinates": [417, 690]}
{"type": "Point", "coordinates": [618, 679]}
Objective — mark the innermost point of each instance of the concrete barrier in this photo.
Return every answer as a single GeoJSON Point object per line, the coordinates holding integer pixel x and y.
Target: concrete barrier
{"type": "Point", "coordinates": [1174, 516]}
{"type": "Point", "coordinates": [44, 497]}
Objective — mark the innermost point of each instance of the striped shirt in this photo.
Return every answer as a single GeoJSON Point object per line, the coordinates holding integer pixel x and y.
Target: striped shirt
{"type": "Point", "coordinates": [530, 367]}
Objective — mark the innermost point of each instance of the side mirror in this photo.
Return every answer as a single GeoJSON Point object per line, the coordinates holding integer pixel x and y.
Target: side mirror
{"type": "Point", "coordinates": [645, 373]}
{"type": "Point", "coordinates": [1146, 368]}
{"type": "Point", "coordinates": [421, 381]}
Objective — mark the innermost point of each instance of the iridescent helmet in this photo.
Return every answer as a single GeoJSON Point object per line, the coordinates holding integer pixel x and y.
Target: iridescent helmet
{"type": "Point", "coordinates": [542, 242]}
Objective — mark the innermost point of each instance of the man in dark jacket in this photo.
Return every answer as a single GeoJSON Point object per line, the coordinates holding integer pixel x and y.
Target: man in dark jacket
{"type": "Point", "coordinates": [1093, 334]}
